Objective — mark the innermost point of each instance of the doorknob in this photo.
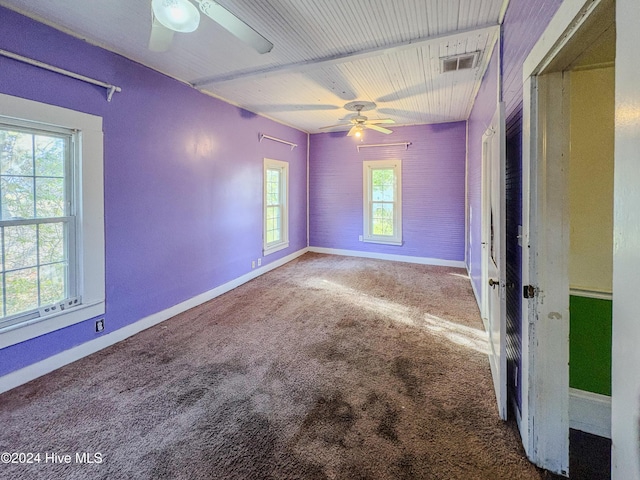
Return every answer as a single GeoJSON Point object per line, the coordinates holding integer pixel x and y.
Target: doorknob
{"type": "Point", "coordinates": [493, 283]}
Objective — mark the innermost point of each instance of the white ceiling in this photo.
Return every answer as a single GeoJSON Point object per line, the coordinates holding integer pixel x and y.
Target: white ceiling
{"type": "Point", "coordinates": [326, 53]}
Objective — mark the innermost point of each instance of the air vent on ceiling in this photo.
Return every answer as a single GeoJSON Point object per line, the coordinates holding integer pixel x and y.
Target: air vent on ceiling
{"type": "Point", "coordinates": [454, 63]}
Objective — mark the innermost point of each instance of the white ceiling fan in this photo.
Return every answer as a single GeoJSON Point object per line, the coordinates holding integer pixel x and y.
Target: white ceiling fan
{"type": "Point", "coordinates": [170, 16]}
{"type": "Point", "coordinates": [359, 122]}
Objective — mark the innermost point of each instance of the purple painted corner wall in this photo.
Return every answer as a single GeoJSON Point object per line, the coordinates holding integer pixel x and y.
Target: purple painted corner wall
{"type": "Point", "coordinates": [433, 190]}
{"type": "Point", "coordinates": [183, 179]}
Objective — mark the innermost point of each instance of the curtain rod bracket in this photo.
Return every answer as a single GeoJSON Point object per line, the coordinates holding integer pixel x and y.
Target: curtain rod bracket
{"type": "Point", "coordinates": [269, 137]}
{"type": "Point", "coordinates": [111, 89]}
{"type": "Point", "coordinates": [406, 145]}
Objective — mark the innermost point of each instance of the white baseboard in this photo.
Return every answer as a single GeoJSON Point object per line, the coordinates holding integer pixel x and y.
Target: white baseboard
{"type": "Point", "coordinates": [475, 290]}
{"type": "Point", "coordinates": [389, 256]}
{"type": "Point", "coordinates": [31, 372]}
{"type": "Point", "coordinates": [590, 412]}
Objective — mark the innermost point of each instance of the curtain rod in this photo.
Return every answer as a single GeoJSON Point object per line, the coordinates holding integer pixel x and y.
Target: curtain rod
{"type": "Point", "coordinates": [111, 89]}
{"type": "Point", "coordinates": [269, 137]}
{"type": "Point", "coordinates": [406, 145]}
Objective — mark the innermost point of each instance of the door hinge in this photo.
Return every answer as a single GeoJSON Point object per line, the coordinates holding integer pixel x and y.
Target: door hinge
{"type": "Point", "coordinates": [529, 291]}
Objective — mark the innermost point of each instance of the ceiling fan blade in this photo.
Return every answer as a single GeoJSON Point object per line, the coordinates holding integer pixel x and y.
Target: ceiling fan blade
{"type": "Point", "coordinates": [235, 26]}
{"type": "Point", "coordinates": [354, 130]}
{"type": "Point", "coordinates": [379, 129]}
{"type": "Point", "coordinates": [380, 120]}
{"type": "Point", "coordinates": [335, 126]}
{"type": "Point", "coordinates": [160, 38]}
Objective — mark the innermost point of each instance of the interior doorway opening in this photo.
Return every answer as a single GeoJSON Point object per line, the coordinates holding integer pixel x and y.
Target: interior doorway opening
{"type": "Point", "coordinates": [567, 227]}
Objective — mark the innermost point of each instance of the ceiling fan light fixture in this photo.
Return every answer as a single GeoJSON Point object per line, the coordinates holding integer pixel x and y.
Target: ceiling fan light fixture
{"type": "Point", "coordinates": [176, 15]}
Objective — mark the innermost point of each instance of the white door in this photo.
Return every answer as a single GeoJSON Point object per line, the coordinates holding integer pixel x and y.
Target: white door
{"type": "Point", "coordinates": [494, 255]}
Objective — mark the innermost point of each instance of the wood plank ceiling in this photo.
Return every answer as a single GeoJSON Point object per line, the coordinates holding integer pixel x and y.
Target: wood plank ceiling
{"type": "Point", "coordinates": [326, 53]}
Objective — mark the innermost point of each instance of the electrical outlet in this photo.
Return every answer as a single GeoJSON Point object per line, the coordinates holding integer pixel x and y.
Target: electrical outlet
{"type": "Point", "coordinates": [253, 264]}
{"type": "Point", "coordinates": [360, 237]}
{"type": "Point", "coordinates": [259, 261]}
{"type": "Point", "coordinates": [99, 325]}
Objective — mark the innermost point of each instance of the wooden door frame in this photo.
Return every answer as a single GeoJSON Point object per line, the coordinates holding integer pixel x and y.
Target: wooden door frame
{"type": "Point", "coordinates": [544, 414]}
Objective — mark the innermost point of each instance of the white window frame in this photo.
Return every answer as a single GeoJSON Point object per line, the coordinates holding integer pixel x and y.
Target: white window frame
{"type": "Point", "coordinates": [89, 238]}
{"type": "Point", "coordinates": [283, 168]}
{"type": "Point", "coordinates": [368, 167]}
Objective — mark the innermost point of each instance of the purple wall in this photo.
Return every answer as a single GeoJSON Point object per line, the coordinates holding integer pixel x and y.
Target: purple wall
{"type": "Point", "coordinates": [433, 172]}
{"type": "Point", "coordinates": [183, 179]}
{"type": "Point", "coordinates": [480, 118]}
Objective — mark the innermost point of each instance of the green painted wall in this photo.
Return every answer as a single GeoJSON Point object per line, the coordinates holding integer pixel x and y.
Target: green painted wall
{"type": "Point", "coordinates": [590, 344]}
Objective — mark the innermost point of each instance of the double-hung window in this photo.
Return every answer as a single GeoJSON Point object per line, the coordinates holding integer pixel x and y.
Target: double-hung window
{"type": "Point", "coordinates": [37, 219]}
{"type": "Point", "coordinates": [51, 219]}
{"type": "Point", "coordinates": [276, 211]}
{"type": "Point", "coordinates": [382, 201]}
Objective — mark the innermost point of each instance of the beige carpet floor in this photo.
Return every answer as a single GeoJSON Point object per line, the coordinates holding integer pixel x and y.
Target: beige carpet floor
{"type": "Point", "coordinates": [326, 368]}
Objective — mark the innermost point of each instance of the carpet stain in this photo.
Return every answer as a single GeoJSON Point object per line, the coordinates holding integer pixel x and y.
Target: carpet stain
{"type": "Point", "coordinates": [191, 397]}
{"type": "Point", "coordinates": [387, 426]}
{"type": "Point", "coordinates": [329, 351]}
{"type": "Point", "coordinates": [384, 415]}
{"type": "Point", "coordinates": [402, 369]}
{"type": "Point", "coordinates": [215, 371]}
{"type": "Point", "coordinates": [346, 322]}
{"type": "Point", "coordinates": [329, 419]}
{"type": "Point", "coordinates": [354, 472]}
{"type": "Point", "coordinates": [405, 467]}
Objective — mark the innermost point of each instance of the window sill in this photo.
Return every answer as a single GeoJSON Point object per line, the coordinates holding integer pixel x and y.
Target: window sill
{"type": "Point", "coordinates": [383, 241]}
{"type": "Point", "coordinates": [21, 332]}
{"type": "Point", "coordinates": [275, 248]}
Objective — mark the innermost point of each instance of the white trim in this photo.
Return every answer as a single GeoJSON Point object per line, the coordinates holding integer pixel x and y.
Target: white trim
{"type": "Point", "coordinates": [516, 411]}
{"type": "Point", "coordinates": [467, 225]}
{"type": "Point", "coordinates": [89, 218]}
{"type": "Point", "coordinates": [31, 372]}
{"type": "Point", "coordinates": [580, 292]}
{"type": "Point", "coordinates": [529, 262]}
{"type": "Point", "coordinates": [625, 377]}
{"type": "Point", "coordinates": [473, 287]}
{"type": "Point", "coordinates": [570, 15]}
{"type": "Point", "coordinates": [389, 256]}
{"type": "Point", "coordinates": [590, 412]}
{"type": "Point", "coordinates": [503, 11]}
{"type": "Point", "coordinates": [308, 150]}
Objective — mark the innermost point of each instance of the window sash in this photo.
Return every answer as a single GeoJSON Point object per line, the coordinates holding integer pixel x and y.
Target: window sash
{"type": "Point", "coordinates": [275, 230]}
{"type": "Point", "coordinates": [67, 261]}
{"type": "Point", "coordinates": [41, 295]}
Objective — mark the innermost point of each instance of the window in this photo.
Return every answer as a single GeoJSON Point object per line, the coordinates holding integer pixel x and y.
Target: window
{"type": "Point", "coordinates": [382, 182]}
{"type": "Point", "coordinates": [276, 211]}
{"type": "Point", "coordinates": [37, 219]}
{"type": "Point", "coordinates": [51, 219]}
